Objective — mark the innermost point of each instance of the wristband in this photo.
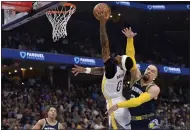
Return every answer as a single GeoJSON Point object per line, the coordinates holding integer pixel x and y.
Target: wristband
{"type": "Point", "coordinates": [88, 70]}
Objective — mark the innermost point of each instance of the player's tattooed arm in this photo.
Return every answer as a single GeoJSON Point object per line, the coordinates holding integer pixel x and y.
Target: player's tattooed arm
{"type": "Point", "coordinates": [94, 71]}
{"type": "Point", "coordinates": [97, 71]}
{"type": "Point", "coordinates": [104, 41]}
{"type": "Point", "coordinates": [103, 34]}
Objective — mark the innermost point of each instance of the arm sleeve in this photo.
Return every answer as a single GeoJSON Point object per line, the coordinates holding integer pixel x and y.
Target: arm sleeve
{"type": "Point", "coordinates": [130, 51]}
{"type": "Point", "coordinates": [110, 68]}
{"type": "Point", "coordinates": [134, 102]}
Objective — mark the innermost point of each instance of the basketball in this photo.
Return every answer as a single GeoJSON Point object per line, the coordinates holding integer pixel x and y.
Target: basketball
{"type": "Point", "coordinates": [103, 7]}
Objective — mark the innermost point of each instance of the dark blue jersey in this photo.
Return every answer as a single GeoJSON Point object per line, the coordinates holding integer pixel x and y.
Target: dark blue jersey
{"type": "Point", "coordinates": [47, 126]}
{"type": "Point", "coordinates": [145, 108]}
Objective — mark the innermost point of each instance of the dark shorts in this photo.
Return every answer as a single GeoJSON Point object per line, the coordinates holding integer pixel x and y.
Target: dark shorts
{"type": "Point", "coordinates": [148, 124]}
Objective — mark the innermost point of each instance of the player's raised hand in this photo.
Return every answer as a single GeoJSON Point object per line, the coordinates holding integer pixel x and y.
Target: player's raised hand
{"type": "Point", "coordinates": [112, 109]}
{"type": "Point", "coordinates": [78, 69]}
{"type": "Point", "coordinates": [102, 15]}
{"type": "Point", "coordinates": [128, 32]}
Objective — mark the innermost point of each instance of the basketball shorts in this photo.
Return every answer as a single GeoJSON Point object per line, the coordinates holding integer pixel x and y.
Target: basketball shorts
{"type": "Point", "coordinates": [152, 123]}
{"type": "Point", "coordinates": [121, 118]}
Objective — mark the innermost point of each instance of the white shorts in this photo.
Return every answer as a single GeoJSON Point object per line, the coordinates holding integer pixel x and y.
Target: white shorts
{"type": "Point", "coordinates": [121, 118]}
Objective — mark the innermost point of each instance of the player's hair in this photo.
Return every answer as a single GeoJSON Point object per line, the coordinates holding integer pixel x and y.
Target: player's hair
{"type": "Point", "coordinates": [50, 108]}
{"type": "Point", "coordinates": [128, 63]}
{"type": "Point", "coordinates": [47, 110]}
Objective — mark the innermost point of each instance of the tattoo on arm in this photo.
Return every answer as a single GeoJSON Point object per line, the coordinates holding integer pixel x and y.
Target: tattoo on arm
{"type": "Point", "coordinates": [105, 42]}
{"type": "Point", "coordinates": [97, 71]}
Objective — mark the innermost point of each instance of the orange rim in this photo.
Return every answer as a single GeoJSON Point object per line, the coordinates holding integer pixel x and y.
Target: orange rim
{"type": "Point", "coordinates": [62, 12]}
{"type": "Point", "coordinates": [69, 4]}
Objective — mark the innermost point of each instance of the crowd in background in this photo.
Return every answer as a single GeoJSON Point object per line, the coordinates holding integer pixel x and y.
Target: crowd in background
{"type": "Point", "coordinates": [158, 53]}
{"type": "Point", "coordinates": [83, 107]}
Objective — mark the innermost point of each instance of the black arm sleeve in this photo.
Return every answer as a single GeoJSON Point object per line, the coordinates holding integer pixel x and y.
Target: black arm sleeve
{"type": "Point", "coordinates": [110, 68]}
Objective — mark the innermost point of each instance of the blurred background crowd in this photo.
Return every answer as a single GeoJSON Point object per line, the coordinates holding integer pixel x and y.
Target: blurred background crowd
{"type": "Point", "coordinates": [81, 107]}
{"type": "Point", "coordinates": [24, 104]}
{"type": "Point", "coordinates": [162, 39]}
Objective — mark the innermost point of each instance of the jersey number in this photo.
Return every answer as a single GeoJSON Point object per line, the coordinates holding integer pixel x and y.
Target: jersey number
{"type": "Point", "coordinates": [119, 85]}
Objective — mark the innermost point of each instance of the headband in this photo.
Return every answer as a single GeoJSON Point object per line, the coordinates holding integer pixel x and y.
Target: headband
{"type": "Point", "coordinates": [123, 60]}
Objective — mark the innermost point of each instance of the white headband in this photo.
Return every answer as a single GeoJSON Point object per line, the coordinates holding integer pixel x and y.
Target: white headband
{"type": "Point", "coordinates": [124, 57]}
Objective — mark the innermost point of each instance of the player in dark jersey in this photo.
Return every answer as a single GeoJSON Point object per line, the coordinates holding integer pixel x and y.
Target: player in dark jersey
{"type": "Point", "coordinates": [144, 93]}
{"type": "Point", "coordinates": [49, 123]}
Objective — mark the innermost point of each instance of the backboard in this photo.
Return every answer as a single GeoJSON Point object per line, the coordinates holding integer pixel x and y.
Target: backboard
{"type": "Point", "coordinates": [18, 19]}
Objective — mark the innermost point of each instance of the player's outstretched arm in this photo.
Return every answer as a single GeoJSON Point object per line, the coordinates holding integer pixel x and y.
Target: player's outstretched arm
{"type": "Point", "coordinates": [152, 93]}
{"type": "Point", "coordinates": [130, 51]}
{"type": "Point", "coordinates": [144, 97]}
{"type": "Point", "coordinates": [105, 42]}
{"type": "Point", "coordinates": [110, 66]}
{"type": "Point", "coordinates": [94, 71]}
{"type": "Point", "coordinates": [103, 35]}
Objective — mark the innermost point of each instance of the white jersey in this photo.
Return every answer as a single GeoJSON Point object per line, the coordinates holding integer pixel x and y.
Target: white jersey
{"type": "Point", "coordinates": [112, 91]}
{"type": "Point", "coordinates": [112, 88]}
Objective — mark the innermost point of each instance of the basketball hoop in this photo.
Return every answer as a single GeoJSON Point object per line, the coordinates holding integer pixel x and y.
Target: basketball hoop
{"type": "Point", "coordinates": [59, 18]}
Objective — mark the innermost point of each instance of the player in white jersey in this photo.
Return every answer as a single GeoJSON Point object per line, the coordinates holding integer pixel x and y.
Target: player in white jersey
{"type": "Point", "coordinates": [112, 89]}
{"type": "Point", "coordinates": [112, 83]}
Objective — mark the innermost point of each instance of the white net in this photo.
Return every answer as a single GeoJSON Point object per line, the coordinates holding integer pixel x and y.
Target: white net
{"type": "Point", "coordinates": [58, 19]}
